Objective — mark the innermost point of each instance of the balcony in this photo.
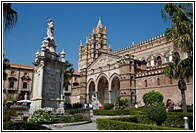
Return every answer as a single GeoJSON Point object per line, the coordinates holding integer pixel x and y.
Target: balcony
{"type": "Point", "coordinates": [24, 90]}
{"type": "Point", "coordinates": [11, 89]}
{"type": "Point", "coordinates": [67, 92]}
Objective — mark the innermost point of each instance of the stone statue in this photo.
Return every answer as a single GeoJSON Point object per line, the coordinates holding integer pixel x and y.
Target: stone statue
{"type": "Point", "coordinates": [25, 96]}
{"type": "Point", "coordinates": [50, 30]}
{"type": "Point", "coordinates": [93, 98]}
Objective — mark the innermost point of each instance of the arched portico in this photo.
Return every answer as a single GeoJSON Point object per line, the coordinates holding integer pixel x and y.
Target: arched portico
{"type": "Point", "coordinates": [103, 96]}
{"type": "Point", "coordinates": [114, 88]}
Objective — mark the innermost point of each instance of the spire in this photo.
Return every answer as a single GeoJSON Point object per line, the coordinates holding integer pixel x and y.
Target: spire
{"type": "Point", "coordinates": [80, 43]}
{"type": "Point", "coordinates": [99, 23]}
{"type": "Point", "coordinates": [86, 39]}
{"type": "Point", "coordinates": [132, 42]}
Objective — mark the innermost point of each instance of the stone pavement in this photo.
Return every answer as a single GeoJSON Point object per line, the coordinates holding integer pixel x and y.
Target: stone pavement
{"type": "Point", "coordinates": [82, 125]}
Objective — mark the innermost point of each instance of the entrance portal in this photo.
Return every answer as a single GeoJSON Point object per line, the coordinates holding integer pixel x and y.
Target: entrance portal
{"type": "Point", "coordinates": [103, 96]}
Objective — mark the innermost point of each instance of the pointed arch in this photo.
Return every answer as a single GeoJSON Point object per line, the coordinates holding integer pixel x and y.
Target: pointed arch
{"type": "Point", "coordinates": [100, 75]}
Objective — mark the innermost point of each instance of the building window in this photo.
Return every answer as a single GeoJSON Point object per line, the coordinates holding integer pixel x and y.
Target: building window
{"type": "Point", "coordinates": [155, 63]}
{"type": "Point", "coordinates": [24, 85]}
{"type": "Point", "coordinates": [11, 84]}
{"type": "Point", "coordinates": [145, 83]}
{"type": "Point", "coordinates": [149, 63]}
{"type": "Point", "coordinates": [170, 80]}
{"type": "Point", "coordinates": [12, 72]}
{"type": "Point", "coordinates": [159, 61]}
{"type": "Point", "coordinates": [66, 87]}
{"type": "Point", "coordinates": [167, 59]}
{"type": "Point", "coordinates": [158, 81]}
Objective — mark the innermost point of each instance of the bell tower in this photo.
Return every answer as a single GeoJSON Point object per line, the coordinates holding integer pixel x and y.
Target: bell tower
{"type": "Point", "coordinates": [95, 45]}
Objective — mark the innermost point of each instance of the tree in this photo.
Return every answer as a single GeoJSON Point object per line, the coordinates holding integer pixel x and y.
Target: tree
{"type": "Point", "coordinates": [10, 16]}
{"type": "Point", "coordinates": [181, 18]}
{"type": "Point", "coordinates": [157, 114]}
{"type": "Point", "coordinates": [68, 72]}
{"type": "Point", "coordinates": [153, 98]}
{"type": "Point", "coordinates": [180, 69]}
{"type": "Point", "coordinates": [181, 32]}
{"type": "Point", "coordinates": [6, 65]}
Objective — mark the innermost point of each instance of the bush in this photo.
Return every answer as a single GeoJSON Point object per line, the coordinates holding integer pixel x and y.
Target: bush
{"type": "Point", "coordinates": [175, 119]}
{"type": "Point", "coordinates": [108, 106]}
{"type": "Point", "coordinates": [157, 114]}
{"type": "Point", "coordinates": [109, 124]}
{"type": "Point", "coordinates": [78, 117]}
{"type": "Point", "coordinates": [65, 119]}
{"type": "Point", "coordinates": [152, 97]}
{"type": "Point", "coordinates": [42, 117]}
{"type": "Point", "coordinates": [6, 118]}
{"type": "Point", "coordinates": [23, 126]}
{"type": "Point", "coordinates": [121, 104]}
{"type": "Point", "coordinates": [111, 112]}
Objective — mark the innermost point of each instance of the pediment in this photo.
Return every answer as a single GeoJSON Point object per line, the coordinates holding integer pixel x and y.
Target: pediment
{"type": "Point", "coordinates": [103, 60]}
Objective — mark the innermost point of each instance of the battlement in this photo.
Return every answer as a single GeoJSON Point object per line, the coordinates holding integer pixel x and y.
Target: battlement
{"type": "Point", "coordinates": [140, 44]}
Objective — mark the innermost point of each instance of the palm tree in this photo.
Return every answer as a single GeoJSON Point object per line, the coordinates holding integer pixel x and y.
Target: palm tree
{"type": "Point", "coordinates": [10, 16]}
{"type": "Point", "coordinates": [181, 18]}
{"type": "Point", "coordinates": [6, 65]}
{"type": "Point", "coordinates": [180, 70]}
{"type": "Point", "coordinates": [68, 72]}
{"type": "Point", "coordinates": [181, 32]}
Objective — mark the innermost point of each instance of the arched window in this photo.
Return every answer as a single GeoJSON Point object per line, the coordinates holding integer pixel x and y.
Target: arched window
{"type": "Point", "coordinates": [159, 61]}
{"type": "Point", "coordinates": [146, 83]}
{"type": "Point", "coordinates": [170, 80]}
{"type": "Point", "coordinates": [167, 55]}
{"type": "Point", "coordinates": [11, 85]}
{"type": "Point", "coordinates": [158, 81]}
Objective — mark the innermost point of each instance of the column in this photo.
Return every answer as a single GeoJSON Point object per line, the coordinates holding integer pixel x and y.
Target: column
{"type": "Point", "coordinates": [41, 80]}
{"type": "Point", "coordinates": [62, 80]}
{"type": "Point", "coordinates": [97, 102]}
{"type": "Point", "coordinates": [110, 91]}
{"type": "Point", "coordinates": [87, 97]}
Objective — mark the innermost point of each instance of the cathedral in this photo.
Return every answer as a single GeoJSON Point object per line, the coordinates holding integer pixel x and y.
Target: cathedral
{"type": "Point", "coordinates": [104, 75]}
{"type": "Point", "coordinates": [128, 73]}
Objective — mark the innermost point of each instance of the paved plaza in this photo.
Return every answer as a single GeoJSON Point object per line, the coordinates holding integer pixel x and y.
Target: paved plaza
{"type": "Point", "coordinates": [89, 126]}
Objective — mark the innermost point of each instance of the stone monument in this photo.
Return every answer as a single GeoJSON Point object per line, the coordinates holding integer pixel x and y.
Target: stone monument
{"type": "Point", "coordinates": [48, 75]}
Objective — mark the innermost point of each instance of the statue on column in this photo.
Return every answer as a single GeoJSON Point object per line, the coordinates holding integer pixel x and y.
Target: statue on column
{"type": "Point", "coordinates": [25, 96]}
{"type": "Point", "coordinates": [50, 29]}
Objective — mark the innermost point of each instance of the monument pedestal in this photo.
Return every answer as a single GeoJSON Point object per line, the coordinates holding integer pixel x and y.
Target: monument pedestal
{"type": "Point", "coordinates": [48, 77]}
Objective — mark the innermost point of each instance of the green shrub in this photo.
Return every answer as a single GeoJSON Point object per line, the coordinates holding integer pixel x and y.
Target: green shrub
{"type": "Point", "coordinates": [6, 118]}
{"type": "Point", "coordinates": [23, 126]}
{"type": "Point", "coordinates": [42, 117]}
{"type": "Point", "coordinates": [152, 97]}
{"type": "Point", "coordinates": [157, 114]}
{"type": "Point", "coordinates": [111, 112]}
{"type": "Point", "coordinates": [175, 119]}
{"type": "Point", "coordinates": [109, 124]}
{"type": "Point", "coordinates": [10, 112]}
{"type": "Point", "coordinates": [121, 104]}
{"type": "Point", "coordinates": [65, 119]}
{"type": "Point", "coordinates": [78, 117]}
{"type": "Point", "coordinates": [108, 106]}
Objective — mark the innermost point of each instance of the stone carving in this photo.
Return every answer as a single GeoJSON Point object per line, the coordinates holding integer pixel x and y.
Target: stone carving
{"type": "Point", "coordinates": [103, 60]}
{"type": "Point", "coordinates": [50, 30]}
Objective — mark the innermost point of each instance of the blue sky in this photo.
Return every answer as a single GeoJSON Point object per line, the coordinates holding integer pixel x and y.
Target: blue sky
{"type": "Point", "coordinates": [125, 22]}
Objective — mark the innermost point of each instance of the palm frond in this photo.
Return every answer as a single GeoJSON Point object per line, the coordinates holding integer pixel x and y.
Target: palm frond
{"type": "Point", "coordinates": [10, 16]}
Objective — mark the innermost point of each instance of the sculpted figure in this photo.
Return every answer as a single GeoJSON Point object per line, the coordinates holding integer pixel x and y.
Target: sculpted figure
{"type": "Point", "coordinates": [50, 30]}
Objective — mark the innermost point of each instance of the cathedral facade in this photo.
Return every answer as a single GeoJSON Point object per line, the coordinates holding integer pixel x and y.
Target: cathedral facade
{"type": "Point", "coordinates": [127, 73]}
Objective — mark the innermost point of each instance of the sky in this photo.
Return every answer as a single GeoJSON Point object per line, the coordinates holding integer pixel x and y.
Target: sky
{"type": "Point", "coordinates": [125, 22]}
